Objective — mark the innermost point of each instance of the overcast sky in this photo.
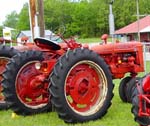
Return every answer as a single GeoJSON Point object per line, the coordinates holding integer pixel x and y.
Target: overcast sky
{"type": "Point", "coordinates": [7, 6]}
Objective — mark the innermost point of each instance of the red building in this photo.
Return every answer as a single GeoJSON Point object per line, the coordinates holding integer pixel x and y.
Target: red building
{"type": "Point", "coordinates": [130, 32]}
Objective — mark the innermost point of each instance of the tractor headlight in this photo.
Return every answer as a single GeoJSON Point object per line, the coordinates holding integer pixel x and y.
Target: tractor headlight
{"type": "Point", "coordinates": [38, 65]}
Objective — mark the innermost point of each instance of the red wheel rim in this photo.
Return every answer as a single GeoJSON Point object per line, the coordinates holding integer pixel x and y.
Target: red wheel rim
{"type": "Point", "coordinates": [3, 62]}
{"type": "Point", "coordinates": [85, 88]}
{"type": "Point", "coordinates": [31, 86]}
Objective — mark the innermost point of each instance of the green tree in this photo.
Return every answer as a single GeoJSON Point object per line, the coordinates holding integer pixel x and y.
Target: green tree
{"type": "Point", "coordinates": [23, 18]}
{"type": "Point", "coordinates": [101, 9]}
{"type": "Point", "coordinates": [144, 7]}
{"type": "Point", "coordinates": [86, 18]}
{"type": "Point", "coordinates": [125, 12]}
{"type": "Point", "coordinates": [57, 12]}
{"type": "Point", "coordinates": [11, 20]}
{"type": "Point", "coordinates": [1, 31]}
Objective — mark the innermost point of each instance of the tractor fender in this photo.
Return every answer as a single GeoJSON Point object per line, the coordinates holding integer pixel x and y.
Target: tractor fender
{"type": "Point", "coordinates": [46, 43]}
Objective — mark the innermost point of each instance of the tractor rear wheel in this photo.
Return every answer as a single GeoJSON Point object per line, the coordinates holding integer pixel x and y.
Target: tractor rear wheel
{"type": "Point", "coordinates": [81, 86]}
{"type": "Point", "coordinates": [25, 86]}
{"type": "Point", "coordinates": [6, 53]}
{"type": "Point", "coordinates": [144, 120]}
{"type": "Point", "coordinates": [123, 88]}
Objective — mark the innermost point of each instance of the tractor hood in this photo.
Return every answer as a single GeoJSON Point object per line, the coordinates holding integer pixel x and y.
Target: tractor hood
{"type": "Point", "coordinates": [116, 47]}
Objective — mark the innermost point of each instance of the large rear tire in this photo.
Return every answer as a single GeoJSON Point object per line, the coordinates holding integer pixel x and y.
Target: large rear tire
{"type": "Point", "coordinates": [142, 120]}
{"type": "Point", "coordinates": [81, 86]}
{"type": "Point", "coordinates": [25, 87]}
{"type": "Point", "coordinates": [6, 53]}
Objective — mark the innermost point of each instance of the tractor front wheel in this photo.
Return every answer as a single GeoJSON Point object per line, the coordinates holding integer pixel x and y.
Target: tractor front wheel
{"type": "Point", "coordinates": [123, 88]}
{"type": "Point", "coordinates": [81, 86]}
{"type": "Point", "coordinates": [25, 86]}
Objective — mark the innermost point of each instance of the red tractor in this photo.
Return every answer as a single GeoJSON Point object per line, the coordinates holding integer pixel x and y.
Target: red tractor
{"type": "Point", "coordinates": [78, 78]}
{"type": "Point", "coordinates": [140, 98]}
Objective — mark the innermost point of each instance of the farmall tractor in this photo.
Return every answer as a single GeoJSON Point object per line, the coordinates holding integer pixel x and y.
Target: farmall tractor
{"type": "Point", "coordinates": [74, 78]}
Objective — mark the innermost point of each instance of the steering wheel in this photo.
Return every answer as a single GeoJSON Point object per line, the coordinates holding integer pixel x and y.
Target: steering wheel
{"type": "Point", "coordinates": [57, 33]}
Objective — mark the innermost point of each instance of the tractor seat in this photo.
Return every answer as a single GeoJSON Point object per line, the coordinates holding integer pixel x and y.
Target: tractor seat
{"type": "Point", "coordinates": [43, 42]}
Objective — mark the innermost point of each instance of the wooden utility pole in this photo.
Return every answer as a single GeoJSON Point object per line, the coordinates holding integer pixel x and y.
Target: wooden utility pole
{"type": "Point", "coordinates": [32, 12]}
{"type": "Point", "coordinates": [36, 12]}
{"type": "Point", "coordinates": [41, 17]}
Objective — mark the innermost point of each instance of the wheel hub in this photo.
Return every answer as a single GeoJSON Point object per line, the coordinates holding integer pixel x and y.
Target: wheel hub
{"type": "Point", "coordinates": [32, 86]}
{"type": "Point", "coordinates": [82, 87]}
{"type": "Point", "coordinates": [36, 82]}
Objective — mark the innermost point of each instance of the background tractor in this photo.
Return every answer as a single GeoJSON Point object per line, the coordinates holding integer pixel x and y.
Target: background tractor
{"type": "Point", "coordinates": [6, 52]}
{"type": "Point", "coordinates": [140, 99]}
{"type": "Point", "coordinates": [78, 77]}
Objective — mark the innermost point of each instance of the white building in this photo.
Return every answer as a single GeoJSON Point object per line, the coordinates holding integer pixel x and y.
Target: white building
{"type": "Point", "coordinates": [27, 34]}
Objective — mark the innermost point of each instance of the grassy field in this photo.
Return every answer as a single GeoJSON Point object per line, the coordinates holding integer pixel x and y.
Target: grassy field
{"type": "Point", "coordinates": [92, 40]}
{"type": "Point", "coordinates": [89, 40]}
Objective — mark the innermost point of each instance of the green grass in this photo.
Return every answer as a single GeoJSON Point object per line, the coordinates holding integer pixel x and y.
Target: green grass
{"type": "Point", "coordinates": [92, 40]}
{"type": "Point", "coordinates": [89, 40]}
